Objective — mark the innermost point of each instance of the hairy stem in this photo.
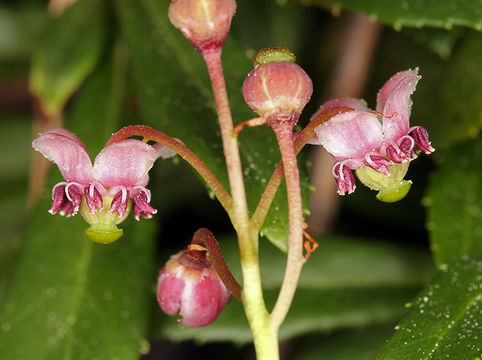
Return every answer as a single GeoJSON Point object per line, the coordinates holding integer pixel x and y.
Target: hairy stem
{"type": "Point", "coordinates": [274, 182]}
{"type": "Point", "coordinates": [295, 260]}
{"type": "Point", "coordinates": [181, 149]}
{"type": "Point", "coordinates": [205, 237]}
{"type": "Point", "coordinates": [265, 341]}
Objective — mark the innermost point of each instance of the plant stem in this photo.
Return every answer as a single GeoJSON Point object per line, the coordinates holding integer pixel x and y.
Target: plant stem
{"type": "Point", "coordinates": [274, 182]}
{"type": "Point", "coordinates": [205, 237]}
{"type": "Point", "coordinates": [295, 260]}
{"type": "Point", "coordinates": [181, 149]}
{"type": "Point", "coordinates": [265, 340]}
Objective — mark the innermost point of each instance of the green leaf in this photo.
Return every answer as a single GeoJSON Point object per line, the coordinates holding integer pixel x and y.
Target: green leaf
{"type": "Point", "coordinates": [20, 27]}
{"type": "Point", "coordinates": [175, 96]}
{"type": "Point", "coordinates": [69, 51]}
{"type": "Point", "coordinates": [345, 283]}
{"type": "Point", "coordinates": [439, 41]}
{"type": "Point", "coordinates": [438, 13]}
{"type": "Point", "coordinates": [71, 298]}
{"type": "Point", "coordinates": [444, 320]}
{"type": "Point", "coordinates": [459, 117]}
{"type": "Point", "coordinates": [454, 203]}
{"type": "Point", "coordinates": [360, 345]}
{"type": "Point", "coordinates": [15, 139]}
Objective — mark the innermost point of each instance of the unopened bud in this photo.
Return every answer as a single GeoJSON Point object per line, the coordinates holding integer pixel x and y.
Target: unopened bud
{"type": "Point", "coordinates": [189, 286]}
{"type": "Point", "coordinates": [277, 90]}
{"type": "Point", "coordinates": [204, 22]}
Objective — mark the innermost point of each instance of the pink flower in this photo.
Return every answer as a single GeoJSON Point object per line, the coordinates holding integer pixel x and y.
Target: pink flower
{"type": "Point", "coordinates": [190, 287]}
{"type": "Point", "coordinates": [103, 192]}
{"type": "Point", "coordinates": [378, 140]}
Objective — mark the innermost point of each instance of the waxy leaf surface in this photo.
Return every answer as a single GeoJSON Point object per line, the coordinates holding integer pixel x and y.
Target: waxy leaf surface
{"type": "Point", "coordinates": [444, 320]}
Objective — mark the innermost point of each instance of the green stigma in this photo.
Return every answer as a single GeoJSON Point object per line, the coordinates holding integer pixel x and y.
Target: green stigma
{"type": "Point", "coordinates": [276, 54]}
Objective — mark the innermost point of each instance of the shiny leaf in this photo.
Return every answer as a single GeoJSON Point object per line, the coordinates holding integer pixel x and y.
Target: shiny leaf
{"type": "Point", "coordinates": [444, 320]}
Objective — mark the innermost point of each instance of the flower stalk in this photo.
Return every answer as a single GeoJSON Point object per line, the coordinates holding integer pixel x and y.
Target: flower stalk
{"type": "Point", "coordinates": [295, 260]}
{"type": "Point", "coordinates": [149, 133]}
{"type": "Point", "coordinates": [206, 238]}
{"type": "Point", "coordinates": [265, 340]}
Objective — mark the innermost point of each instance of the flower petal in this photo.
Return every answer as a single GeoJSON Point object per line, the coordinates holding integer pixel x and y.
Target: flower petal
{"type": "Point", "coordinates": [68, 152]}
{"type": "Point", "coordinates": [391, 84]}
{"type": "Point", "coordinates": [124, 163]}
{"type": "Point", "coordinates": [163, 151]}
{"type": "Point", "coordinates": [350, 135]}
{"type": "Point", "coordinates": [355, 104]}
{"type": "Point", "coordinates": [396, 104]}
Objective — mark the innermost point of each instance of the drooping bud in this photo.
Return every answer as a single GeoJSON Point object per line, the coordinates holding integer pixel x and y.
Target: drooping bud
{"type": "Point", "coordinates": [205, 23]}
{"type": "Point", "coordinates": [188, 285]}
{"type": "Point", "coordinates": [277, 90]}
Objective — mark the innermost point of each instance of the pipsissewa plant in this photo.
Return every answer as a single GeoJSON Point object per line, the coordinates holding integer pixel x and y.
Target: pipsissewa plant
{"type": "Point", "coordinates": [277, 89]}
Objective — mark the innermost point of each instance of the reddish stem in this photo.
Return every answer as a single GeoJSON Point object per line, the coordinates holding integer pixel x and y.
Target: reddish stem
{"type": "Point", "coordinates": [152, 134]}
{"type": "Point", "coordinates": [303, 137]}
{"type": "Point", "coordinates": [205, 237]}
{"type": "Point", "coordinates": [295, 260]}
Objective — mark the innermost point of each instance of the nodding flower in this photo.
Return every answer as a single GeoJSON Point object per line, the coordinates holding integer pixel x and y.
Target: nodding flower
{"type": "Point", "coordinates": [190, 286]}
{"type": "Point", "coordinates": [103, 192]}
{"type": "Point", "coordinates": [379, 144]}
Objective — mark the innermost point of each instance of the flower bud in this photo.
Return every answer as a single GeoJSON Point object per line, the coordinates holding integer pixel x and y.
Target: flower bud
{"type": "Point", "coordinates": [189, 286]}
{"type": "Point", "coordinates": [277, 91]}
{"type": "Point", "coordinates": [205, 23]}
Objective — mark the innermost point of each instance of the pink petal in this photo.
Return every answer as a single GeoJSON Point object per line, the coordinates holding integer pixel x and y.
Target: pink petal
{"type": "Point", "coordinates": [203, 304]}
{"type": "Point", "coordinates": [355, 104]}
{"type": "Point", "coordinates": [163, 151]}
{"type": "Point", "coordinates": [68, 152]}
{"type": "Point", "coordinates": [390, 86]}
{"type": "Point", "coordinates": [169, 292]}
{"type": "Point", "coordinates": [124, 163]}
{"type": "Point", "coordinates": [350, 135]}
{"type": "Point", "coordinates": [396, 104]}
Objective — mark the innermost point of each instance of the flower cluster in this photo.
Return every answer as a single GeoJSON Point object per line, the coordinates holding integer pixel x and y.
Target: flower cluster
{"type": "Point", "coordinates": [379, 144]}
{"type": "Point", "coordinates": [103, 192]}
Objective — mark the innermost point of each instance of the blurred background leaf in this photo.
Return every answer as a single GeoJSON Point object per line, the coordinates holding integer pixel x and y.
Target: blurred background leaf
{"type": "Point", "coordinates": [418, 13]}
{"type": "Point", "coordinates": [454, 199]}
{"type": "Point", "coordinates": [70, 48]}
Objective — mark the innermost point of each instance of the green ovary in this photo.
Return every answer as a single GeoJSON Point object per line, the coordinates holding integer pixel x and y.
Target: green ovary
{"type": "Point", "coordinates": [103, 227]}
{"type": "Point", "coordinates": [390, 188]}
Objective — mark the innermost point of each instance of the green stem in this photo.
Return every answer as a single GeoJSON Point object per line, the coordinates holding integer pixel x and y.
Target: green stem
{"type": "Point", "coordinates": [295, 260]}
{"type": "Point", "coordinates": [265, 341]}
{"type": "Point", "coordinates": [181, 149]}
